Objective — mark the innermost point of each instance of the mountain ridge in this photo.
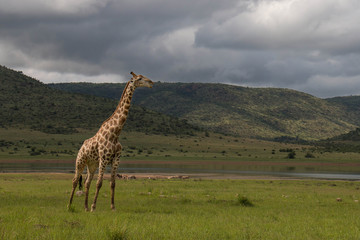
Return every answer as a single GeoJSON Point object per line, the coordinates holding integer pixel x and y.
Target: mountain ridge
{"type": "Point", "coordinates": [245, 111]}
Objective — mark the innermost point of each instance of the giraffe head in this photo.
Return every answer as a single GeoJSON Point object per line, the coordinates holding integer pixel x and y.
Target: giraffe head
{"type": "Point", "coordinates": [141, 81]}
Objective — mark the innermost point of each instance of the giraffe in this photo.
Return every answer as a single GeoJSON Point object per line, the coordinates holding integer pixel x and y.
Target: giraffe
{"type": "Point", "coordinates": [104, 147]}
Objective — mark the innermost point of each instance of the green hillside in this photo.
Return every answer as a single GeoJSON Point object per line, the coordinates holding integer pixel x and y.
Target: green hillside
{"type": "Point", "coordinates": [351, 104]}
{"type": "Point", "coordinates": [28, 103]}
{"type": "Point", "coordinates": [254, 112]}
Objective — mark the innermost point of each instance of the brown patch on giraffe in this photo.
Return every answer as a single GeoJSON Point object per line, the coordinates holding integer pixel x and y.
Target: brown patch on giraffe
{"type": "Point", "coordinates": [123, 119]}
{"type": "Point", "coordinates": [113, 137]}
{"type": "Point", "coordinates": [107, 135]}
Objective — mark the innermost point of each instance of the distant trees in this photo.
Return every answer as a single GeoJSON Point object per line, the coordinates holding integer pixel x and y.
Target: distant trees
{"type": "Point", "coordinates": [291, 155]}
{"type": "Point", "coordinates": [290, 151]}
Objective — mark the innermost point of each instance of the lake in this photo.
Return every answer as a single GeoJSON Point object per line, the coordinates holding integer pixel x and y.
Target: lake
{"type": "Point", "coordinates": [347, 171]}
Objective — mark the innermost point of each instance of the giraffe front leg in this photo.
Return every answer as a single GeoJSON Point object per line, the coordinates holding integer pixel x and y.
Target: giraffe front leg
{"type": "Point", "coordinates": [112, 183]}
{"type": "Point", "coordinates": [98, 183]}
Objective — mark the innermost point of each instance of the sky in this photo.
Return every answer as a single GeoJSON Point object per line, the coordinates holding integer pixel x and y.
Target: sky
{"type": "Point", "coordinates": [307, 45]}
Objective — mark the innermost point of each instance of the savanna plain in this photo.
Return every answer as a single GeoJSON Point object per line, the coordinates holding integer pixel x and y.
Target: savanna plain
{"type": "Point", "coordinates": [33, 206]}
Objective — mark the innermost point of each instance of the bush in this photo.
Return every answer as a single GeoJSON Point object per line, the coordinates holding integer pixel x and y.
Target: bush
{"type": "Point", "coordinates": [286, 150]}
{"type": "Point", "coordinates": [291, 155]}
{"type": "Point", "coordinates": [244, 201]}
{"type": "Point", "coordinates": [118, 234]}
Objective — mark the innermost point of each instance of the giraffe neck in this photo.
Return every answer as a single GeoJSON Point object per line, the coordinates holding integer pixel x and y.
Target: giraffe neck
{"type": "Point", "coordinates": [116, 121]}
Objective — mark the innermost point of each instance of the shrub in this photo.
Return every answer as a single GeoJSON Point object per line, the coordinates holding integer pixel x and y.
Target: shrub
{"type": "Point", "coordinates": [291, 155]}
{"type": "Point", "coordinates": [118, 234]}
{"type": "Point", "coordinates": [244, 201]}
{"type": "Point", "coordinates": [286, 150]}
{"type": "Point", "coordinates": [309, 155]}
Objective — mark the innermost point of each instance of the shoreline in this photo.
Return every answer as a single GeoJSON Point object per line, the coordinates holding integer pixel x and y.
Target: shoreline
{"type": "Point", "coordinates": [180, 176]}
{"type": "Point", "coordinates": [194, 162]}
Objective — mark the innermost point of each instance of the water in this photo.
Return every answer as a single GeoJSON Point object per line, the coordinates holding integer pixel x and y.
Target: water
{"type": "Point", "coordinates": [300, 170]}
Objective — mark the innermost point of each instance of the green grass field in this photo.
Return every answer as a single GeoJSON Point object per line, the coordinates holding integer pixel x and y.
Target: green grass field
{"type": "Point", "coordinates": [33, 206]}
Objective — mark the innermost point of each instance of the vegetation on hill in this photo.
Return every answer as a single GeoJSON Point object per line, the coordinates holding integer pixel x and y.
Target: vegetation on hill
{"type": "Point", "coordinates": [351, 104]}
{"type": "Point", "coordinates": [348, 142]}
{"type": "Point", "coordinates": [251, 112]}
{"type": "Point", "coordinates": [350, 136]}
{"type": "Point", "coordinates": [28, 103]}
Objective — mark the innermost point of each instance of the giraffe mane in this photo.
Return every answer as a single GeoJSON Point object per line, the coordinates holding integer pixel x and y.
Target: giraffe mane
{"type": "Point", "coordinates": [122, 96]}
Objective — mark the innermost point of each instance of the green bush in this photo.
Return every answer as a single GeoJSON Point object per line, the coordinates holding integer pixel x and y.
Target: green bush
{"type": "Point", "coordinates": [291, 155]}
{"type": "Point", "coordinates": [244, 201]}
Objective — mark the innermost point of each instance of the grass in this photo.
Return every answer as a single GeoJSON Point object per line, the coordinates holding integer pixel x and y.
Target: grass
{"type": "Point", "coordinates": [33, 206]}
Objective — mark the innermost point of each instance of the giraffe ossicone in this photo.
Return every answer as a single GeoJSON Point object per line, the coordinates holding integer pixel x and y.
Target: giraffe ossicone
{"type": "Point", "coordinates": [104, 147]}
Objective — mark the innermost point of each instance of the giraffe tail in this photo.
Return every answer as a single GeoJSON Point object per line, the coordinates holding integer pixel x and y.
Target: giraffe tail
{"type": "Point", "coordinates": [80, 183]}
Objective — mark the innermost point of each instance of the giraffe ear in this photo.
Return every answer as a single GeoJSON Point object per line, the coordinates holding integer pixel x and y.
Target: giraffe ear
{"type": "Point", "coordinates": [134, 75]}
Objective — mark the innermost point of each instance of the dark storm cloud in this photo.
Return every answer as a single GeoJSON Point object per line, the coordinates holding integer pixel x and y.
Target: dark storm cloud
{"type": "Point", "coordinates": [309, 45]}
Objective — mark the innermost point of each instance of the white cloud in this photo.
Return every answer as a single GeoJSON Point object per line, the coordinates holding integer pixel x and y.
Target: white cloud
{"type": "Point", "coordinates": [57, 77]}
{"type": "Point", "coordinates": [40, 7]}
{"type": "Point", "coordinates": [329, 86]}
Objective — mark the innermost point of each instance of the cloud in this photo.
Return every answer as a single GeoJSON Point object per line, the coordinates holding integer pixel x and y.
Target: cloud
{"type": "Point", "coordinates": [328, 86]}
{"type": "Point", "coordinates": [57, 77]}
{"type": "Point", "coordinates": [276, 43]}
{"type": "Point", "coordinates": [55, 7]}
{"type": "Point", "coordinates": [295, 25]}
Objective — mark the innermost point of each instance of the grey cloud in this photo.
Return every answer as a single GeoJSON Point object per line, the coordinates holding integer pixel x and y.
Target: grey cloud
{"type": "Point", "coordinates": [325, 25]}
{"type": "Point", "coordinates": [283, 43]}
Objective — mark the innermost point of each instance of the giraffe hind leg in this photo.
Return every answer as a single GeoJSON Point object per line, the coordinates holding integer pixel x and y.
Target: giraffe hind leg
{"type": "Point", "coordinates": [78, 171]}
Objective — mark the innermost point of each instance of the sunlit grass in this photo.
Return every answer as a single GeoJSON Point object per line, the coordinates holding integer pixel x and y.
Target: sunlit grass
{"type": "Point", "coordinates": [34, 207]}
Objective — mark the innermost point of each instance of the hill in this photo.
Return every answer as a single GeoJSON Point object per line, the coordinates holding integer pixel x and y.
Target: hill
{"type": "Point", "coordinates": [251, 112]}
{"type": "Point", "coordinates": [351, 104]}
{"type": "Point", "coordinates": [352, 136]}
{"type": "Point", "coordinates": [27, 103]}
